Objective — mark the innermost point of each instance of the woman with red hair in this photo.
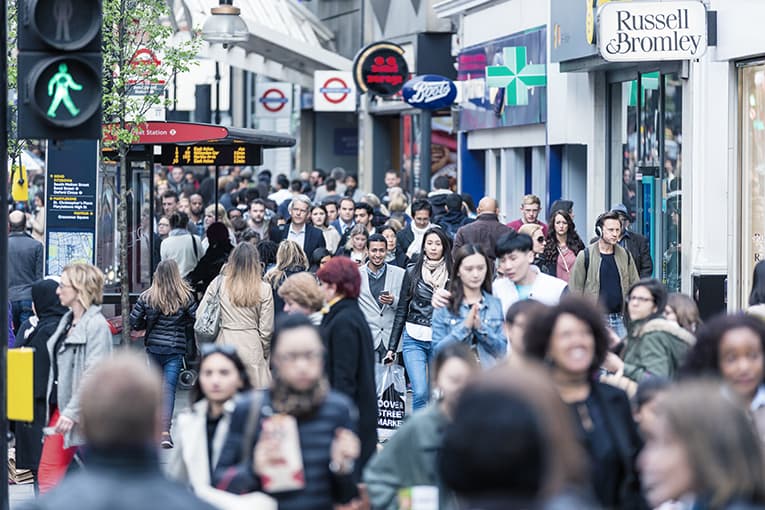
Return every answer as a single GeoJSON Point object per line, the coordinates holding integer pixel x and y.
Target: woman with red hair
{"type": "Point", "coordinates": [350, 358]}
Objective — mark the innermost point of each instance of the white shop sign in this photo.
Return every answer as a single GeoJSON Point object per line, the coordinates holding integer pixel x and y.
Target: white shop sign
{"type": "Point", "coordinates": [646, 31]}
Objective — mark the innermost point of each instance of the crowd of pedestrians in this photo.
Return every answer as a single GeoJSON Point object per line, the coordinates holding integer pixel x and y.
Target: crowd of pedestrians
{"type": "Point", "coordinates": [543, 371]}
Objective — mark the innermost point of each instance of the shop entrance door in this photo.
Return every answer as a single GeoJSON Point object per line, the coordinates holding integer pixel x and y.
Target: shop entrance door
{"type": "Point", "coordinates": [646, 164]}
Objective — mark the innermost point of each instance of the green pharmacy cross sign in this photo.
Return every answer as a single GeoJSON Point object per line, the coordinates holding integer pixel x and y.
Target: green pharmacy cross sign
{"type": "Point", "coordinates": [516, 76]}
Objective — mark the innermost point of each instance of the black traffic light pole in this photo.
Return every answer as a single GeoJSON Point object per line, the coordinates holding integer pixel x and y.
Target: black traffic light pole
{"type": "Point", "coordinates": [3, 255]}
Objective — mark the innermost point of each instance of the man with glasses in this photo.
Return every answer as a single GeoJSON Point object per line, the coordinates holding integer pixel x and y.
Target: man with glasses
{"type": "Point", "coordinates": [325, 420]}
{"type": "Point", "coordinates": [298, 228]}
{"type": "Point", "coordinates": [530, 207]}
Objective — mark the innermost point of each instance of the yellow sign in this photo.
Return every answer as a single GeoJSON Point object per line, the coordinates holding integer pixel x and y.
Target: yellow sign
{"type": "Point", "coordinates": [19, 183]}
{"type": "Point", "coordinates": [20, 384]}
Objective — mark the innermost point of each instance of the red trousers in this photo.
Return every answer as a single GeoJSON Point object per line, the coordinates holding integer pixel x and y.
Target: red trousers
{"type": "Point", "coordinates": [55, 459]}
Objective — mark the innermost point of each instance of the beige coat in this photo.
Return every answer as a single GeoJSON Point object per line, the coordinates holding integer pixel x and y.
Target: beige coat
{"type": "Point", "coordinates": [249, 331]}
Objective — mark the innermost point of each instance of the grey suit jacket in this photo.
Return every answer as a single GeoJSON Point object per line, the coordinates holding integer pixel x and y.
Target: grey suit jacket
{"type": "Point", "coordinates": [380, 318]}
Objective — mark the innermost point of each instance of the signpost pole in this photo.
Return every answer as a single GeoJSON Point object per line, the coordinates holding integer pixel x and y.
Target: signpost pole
{"type": "Point", "coordinates": [3, 257]}
{"type": "Point", "coordinates": [425, 160]}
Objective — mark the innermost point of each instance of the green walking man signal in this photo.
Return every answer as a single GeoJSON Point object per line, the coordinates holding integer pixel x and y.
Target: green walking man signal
{"type": "Point", "coordinates": [59, 87]}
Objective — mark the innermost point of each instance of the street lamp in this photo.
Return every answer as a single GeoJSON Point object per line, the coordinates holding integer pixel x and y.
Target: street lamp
{"type": "Point", "coordinates": [225, 26]}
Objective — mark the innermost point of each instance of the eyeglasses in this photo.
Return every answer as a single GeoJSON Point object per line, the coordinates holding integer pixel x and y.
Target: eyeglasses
{"type": "Point", "coordinates": [540, 239]}
{"type": "Point", "coordinates": [207, 349]}
{"type": "Point", "coordinates": [640, 299]}
{"type": "Point", "coordinates": [164, 224]}
{"type": "Point", "coordinates": [292, 357]}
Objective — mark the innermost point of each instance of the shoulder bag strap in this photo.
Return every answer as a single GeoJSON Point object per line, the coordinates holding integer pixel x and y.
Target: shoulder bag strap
{"type": "Point", "coordinates": [194, 246]}
{"type": "Point", "coordinates": [251, 425]}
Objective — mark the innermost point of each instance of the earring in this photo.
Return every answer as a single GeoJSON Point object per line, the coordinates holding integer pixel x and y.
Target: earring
{"type": "Point", "coordinates": [438, 394]}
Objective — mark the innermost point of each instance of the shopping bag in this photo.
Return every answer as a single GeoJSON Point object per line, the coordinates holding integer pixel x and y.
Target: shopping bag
{"type": "Point", "coordinates": [391, 399]}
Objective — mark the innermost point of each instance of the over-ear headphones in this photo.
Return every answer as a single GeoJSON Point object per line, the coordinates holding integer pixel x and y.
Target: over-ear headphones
{"type": "Point", "coordinates": [599, 226]}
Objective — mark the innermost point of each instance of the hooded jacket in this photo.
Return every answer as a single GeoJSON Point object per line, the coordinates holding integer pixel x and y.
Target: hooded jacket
{"type": "Point", "coordinates": [49, 312]}
{"type": "Point", "coordinates": [655, 347]}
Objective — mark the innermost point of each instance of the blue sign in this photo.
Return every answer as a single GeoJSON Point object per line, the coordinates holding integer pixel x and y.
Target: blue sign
{"type": "Point", "coordinates": [70, 204]}
{"type": "Point", "coordinates": [430, 92]}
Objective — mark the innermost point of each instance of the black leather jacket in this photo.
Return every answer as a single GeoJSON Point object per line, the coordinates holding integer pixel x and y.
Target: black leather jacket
{"type": "Point", "coordinates": [164, 331]}
{"type": "Point", "coordinates": [413, 306]}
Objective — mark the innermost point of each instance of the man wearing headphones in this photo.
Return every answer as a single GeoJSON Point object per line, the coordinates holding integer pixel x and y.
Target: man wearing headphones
{"type": "Point", "coordinates": [605, 270]}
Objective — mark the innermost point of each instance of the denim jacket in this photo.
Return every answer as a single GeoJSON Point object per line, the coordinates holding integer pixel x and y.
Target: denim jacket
{"type": "Point", "coordinates": [490, 340]}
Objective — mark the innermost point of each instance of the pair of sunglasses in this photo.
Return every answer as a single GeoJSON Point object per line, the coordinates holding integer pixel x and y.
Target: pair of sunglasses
{"type": "Point", "coordinates": [207, 349]}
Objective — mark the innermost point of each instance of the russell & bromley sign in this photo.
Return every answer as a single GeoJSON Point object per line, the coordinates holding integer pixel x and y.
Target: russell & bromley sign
{"type": "Point", "coordinates": [641, 31]}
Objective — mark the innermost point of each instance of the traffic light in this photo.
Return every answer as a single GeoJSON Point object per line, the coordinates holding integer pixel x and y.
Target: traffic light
{"type": "Point", "coordinates": [59, 69]}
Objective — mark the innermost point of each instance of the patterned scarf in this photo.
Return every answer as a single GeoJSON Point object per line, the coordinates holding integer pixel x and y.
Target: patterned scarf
{"type": "Point", "coordinates": [285, 399]}
{"type": "Point", "coordinates": [434, 272]}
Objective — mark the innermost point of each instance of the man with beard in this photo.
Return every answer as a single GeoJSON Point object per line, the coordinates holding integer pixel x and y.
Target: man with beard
{"type": "Point", "coordinates": [196, 214]}
{"type": "Point", "coordinates": [325, 423]}
{"type": "Point", "coordinates": [259, 224]}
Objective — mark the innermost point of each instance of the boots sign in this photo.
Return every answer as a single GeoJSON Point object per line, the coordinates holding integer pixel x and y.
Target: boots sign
{"type": "Point", "coordinates": [649, 31]}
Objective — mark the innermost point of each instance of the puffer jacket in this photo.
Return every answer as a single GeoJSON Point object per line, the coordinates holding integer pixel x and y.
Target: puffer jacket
{"type": "Point", "coordinates": [165, 334]}
{"type": "Point", "coordinates": [413, 306]}
{"type": "Point", "coordinates": [315, 432]}
{"type": "Point", "coordinates": [655, 347]}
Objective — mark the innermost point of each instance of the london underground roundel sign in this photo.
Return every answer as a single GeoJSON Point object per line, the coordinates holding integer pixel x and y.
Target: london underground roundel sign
{"type": "Point", "coordinates": [430, 92]}
{"type": "Point", "coordinates": [273, 100]}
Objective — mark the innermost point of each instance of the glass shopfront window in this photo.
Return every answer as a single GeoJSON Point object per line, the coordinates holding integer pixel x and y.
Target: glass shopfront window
{"type": "Point", "coordinates": [645, 164]}
{"type": "Point", "coordinates": [752, 153]}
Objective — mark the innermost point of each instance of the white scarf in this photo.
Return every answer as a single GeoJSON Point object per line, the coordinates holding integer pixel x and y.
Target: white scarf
{"type": "Point", "coordinates": [417, 242]}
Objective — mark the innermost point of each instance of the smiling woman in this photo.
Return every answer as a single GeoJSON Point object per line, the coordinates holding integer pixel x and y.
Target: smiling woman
{"type": "Point", "coordinates": [572, 340]}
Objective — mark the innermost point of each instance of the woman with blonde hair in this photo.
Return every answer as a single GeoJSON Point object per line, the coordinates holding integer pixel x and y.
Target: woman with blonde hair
{"type": "Point", "coordinates": [81, 341]}
{"type": "Point", "coordinates": [356, 246]}
{"type": "Point", "coordinates": [217, 213]}
{"type": "Point", "coordinates": [164, 311]}
{"type": "Point", "coordinates": [246, 311]}
{"type": "Point", "coordinates": [301, 294]}
{"type": "Point", "coordinates": [290, 259]}
{"type": "Point", "coordinates": [537, 235]}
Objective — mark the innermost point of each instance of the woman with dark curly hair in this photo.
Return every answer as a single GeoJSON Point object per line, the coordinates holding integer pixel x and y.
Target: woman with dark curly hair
{"type": "Point", "coordinates": [562, 246]}
{"type": "Point", "coordinates": [573, 341]}
{"type": "Point", "coordinates": [733, 347]}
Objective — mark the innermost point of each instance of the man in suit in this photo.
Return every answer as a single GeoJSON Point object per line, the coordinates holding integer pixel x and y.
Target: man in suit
{"type": "Point", "coordinates": [297, 229]}
{"type": "Point", "coordinates": [381, 285]}
{"type": "Point", "coordinates": [345, 221]}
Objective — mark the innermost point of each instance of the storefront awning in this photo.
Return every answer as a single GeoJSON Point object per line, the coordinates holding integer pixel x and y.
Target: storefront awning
{"type": "Point", "coordinates": [287, 42]}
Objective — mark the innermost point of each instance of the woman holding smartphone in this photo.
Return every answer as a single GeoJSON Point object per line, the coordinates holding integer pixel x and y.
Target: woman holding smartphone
{"type": "Point", "coordinates": [414, 311]}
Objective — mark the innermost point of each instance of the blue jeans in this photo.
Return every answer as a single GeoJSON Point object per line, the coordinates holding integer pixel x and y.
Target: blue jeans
{"type": "Point", "coordinates": [171, 365]}
{"type": "Point", "coordinates": [417, 356]}
{"type": "Point", "coordinates": [21, 310]}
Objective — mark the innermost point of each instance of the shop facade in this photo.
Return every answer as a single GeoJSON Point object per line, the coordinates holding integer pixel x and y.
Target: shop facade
{"type": "Point", "coordinates": [737, 85]}
{"type": "Point", "coordinates": [656, 137]}
{"type": "Point", "coordinates": [523, 129]}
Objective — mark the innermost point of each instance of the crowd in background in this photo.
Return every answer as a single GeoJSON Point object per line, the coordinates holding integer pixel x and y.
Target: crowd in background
{"type": "Point", "coordinates": [545, 370]}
